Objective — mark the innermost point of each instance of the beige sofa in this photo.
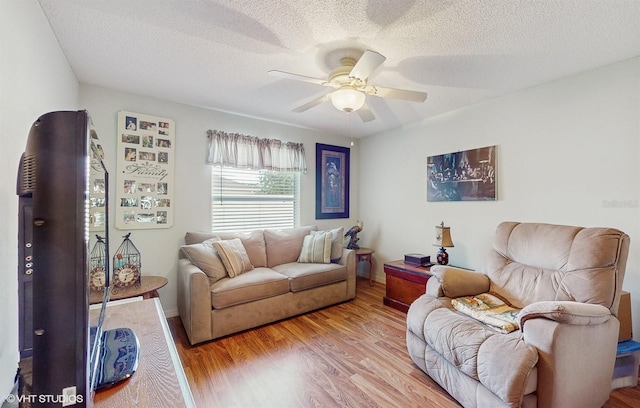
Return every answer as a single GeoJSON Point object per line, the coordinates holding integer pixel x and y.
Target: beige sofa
{"type": "Point", "coordinates": [276, 285]}
{"type": "Point", "coordinates": [566, 282]}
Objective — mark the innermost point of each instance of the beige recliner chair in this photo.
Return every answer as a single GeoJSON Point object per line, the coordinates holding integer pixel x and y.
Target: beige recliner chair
{"type": "Point", "coordinates": [561, 353]}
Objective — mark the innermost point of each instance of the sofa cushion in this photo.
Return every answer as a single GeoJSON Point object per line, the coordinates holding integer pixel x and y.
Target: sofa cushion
{"type": "Point", "coordinates": [283, 246]}
{"type": "Point", "coordinates": [304, 276]}
{"type": "Point", "coordinates": [253, 243]}
{"type": "Point", "coordinates": [258, 283]}
{"type": "Point", "coordinates": [337, 236]}
{"type": "Point", "coordinates": [191, 238]}
{"type": "Point", "coordinates": [316, 248]}
{"type": "Point", "coordinates": [234, 256]}
{"type": "Point", "coordinates": [205, 257]}
{"type": "Point", "coordinates": [503, 363]}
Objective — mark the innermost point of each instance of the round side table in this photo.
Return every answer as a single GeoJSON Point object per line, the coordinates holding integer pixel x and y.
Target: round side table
{"type": "Point", "coordinates": [364, 255]}
{"type": "Point", "coordinates": [147, 288]}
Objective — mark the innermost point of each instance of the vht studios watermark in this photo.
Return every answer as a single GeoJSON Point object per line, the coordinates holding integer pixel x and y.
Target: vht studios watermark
{"type": "Point", "coordinates": [65, 400]}
{"type": "Point", "coordinates": [620, 203]}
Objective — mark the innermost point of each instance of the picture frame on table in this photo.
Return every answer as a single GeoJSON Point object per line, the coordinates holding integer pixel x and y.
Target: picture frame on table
{"type": "Point", "coordinates": [332, 181]}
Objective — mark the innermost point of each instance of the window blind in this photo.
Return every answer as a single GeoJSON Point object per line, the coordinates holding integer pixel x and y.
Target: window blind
{"type": "Point", "coordinates": [245, 199]}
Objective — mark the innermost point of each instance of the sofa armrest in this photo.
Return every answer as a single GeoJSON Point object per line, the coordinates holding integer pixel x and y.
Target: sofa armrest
{"type": "Point", "coordinates": [348, 260]}
{"type": "Point", "coordinates": [344, 259]}
{"type": "Point", "coordinates": [452, 282]}
{"type": "Point", "coordinates": [194, 301]}
{"type": "Point", "coordinates": [567, 312]}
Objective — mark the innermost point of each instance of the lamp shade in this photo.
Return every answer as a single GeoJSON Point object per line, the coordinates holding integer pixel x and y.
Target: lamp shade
{"type": "Point", "coordinates": [347, 99]}
{"type": "Point", "coordinates": [443, 237]}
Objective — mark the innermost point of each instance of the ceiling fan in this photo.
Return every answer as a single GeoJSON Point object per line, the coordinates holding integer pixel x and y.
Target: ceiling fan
{"type": "Point", "coordinates": [350, 83]}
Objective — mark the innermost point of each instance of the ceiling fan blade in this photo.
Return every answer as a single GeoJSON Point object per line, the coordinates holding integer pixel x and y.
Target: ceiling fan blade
{"type": "Point", "coordinates": [314, 102]}
{"type": "Point", "coordinates": [414, 96]}
{"type": "Point", "coordinates": [367, 63]}
{"type": "Point", "coordinates": [365, 113]}
{"type": "Point", "coordinates": [288, 75]}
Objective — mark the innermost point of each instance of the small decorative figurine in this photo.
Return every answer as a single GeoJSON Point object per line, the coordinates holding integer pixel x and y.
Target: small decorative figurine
{"type": "Point", "coordinates": [353, 235]}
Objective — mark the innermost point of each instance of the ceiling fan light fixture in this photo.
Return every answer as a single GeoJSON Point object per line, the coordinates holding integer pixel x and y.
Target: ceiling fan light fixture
{"type": "Point", "coordinates": [347, 99]}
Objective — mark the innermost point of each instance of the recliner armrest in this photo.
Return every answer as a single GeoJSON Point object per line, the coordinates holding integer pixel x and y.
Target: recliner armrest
{"type": "Point", "coordinates": [455, 282]}
{"type": "Point", "coordinates": [567, 312]}
{"type": "Point", "coordinates": [570, 343]}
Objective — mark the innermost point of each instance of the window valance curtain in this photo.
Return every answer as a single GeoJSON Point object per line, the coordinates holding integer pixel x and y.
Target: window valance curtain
{"type": "Point", "coordinates": [250, 152]}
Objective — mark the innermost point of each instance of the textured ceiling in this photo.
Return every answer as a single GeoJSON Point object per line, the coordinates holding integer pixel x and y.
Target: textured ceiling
{"type": "Point", "coordinates": [216, 54]}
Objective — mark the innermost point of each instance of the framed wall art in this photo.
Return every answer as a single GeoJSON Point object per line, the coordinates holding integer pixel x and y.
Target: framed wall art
{"type": "Point", "coordinates": [145, 169]}
{"type": "Point", "coordinates": [469, 175]}
{"type": "Point", "coordinates": [332, 181]}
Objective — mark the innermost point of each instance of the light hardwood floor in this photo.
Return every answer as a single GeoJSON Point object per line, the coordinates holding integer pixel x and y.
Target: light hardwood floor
{"type": "Point", "coordinates": [348, 355]}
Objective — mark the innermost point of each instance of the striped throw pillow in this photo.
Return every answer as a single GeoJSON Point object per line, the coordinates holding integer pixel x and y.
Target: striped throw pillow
{"type": "Point", "coordinates": [316, 248]}
{"type": "Point", "coordinates": [234, 256]}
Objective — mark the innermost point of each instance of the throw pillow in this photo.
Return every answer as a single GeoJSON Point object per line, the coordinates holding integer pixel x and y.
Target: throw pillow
{"type": "Point", "coordinates": [282, 245]}
{"type": "Point", "coordinates": [234, 256]}
{"type": "Point", "coordinates": [253, 243]}
{"type": "Point", "coordinates": [316, 248]}
{"type": "Point", "coordinates": [205, 257]}
{"type": "Point", "coordinates": [336, 242]}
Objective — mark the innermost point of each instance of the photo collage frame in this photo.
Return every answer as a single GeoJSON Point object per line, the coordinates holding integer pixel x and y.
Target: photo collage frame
{"type": "Point", "coordinates": [146, 161]}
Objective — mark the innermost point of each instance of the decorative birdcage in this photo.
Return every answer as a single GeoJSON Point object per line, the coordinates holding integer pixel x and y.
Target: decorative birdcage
{"type": "Point", "coordinates": [127, 264]}
{"type": "Point", "coordinates": [98, 277]}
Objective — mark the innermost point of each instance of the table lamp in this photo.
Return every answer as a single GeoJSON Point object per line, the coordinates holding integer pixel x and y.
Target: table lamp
{"type": "Point", "coordinates": [443, 239]}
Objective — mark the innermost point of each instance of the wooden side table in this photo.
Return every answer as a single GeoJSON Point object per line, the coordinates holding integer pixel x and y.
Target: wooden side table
{"type": "Point", "coordinates": [364, 255]}
{"type": "Point", "coordinates": [405, 283]}
{"type": "Point", "coordinates": [147, 288]}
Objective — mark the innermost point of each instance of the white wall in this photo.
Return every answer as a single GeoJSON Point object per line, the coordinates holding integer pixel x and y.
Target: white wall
{"type": "Point", "coordinates": [192, 211]}
{"type": "Point", "coordinates": [35, 78]}
{"type": "Point", "coordinates": [568, 153]}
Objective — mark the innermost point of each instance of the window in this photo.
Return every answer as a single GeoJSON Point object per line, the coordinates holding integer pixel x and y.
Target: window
{"type": "Point", "coordinates": [245, 200]}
